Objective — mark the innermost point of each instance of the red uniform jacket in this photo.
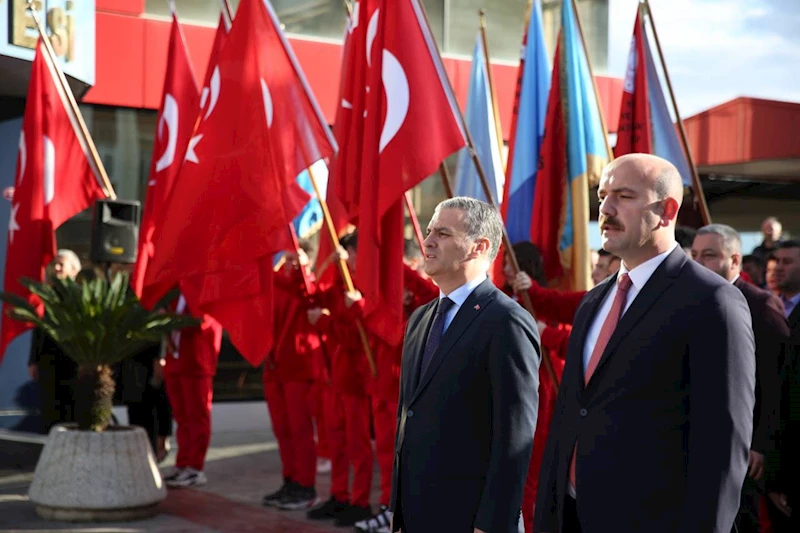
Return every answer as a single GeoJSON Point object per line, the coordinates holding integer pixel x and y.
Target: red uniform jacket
{"type": "Point", "coordinates": [297, 343]}
{"type": "Point", "coordinates": [554, 306]}
{"type": "Point", "coordinates": [350, 372]}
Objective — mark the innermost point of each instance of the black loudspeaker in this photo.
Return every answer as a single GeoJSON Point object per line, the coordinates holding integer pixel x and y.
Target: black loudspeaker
{"type": "Point", "coordinates": [115, 231]}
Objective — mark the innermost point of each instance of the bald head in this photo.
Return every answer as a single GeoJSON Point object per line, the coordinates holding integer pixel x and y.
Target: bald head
{"type": "Point", "coordinates": [661, 175]}
{"type": "Point", "coordinates": [640, 196]}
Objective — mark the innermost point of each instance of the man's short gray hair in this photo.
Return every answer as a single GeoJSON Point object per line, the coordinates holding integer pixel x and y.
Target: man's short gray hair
{"type": "Point", "coordinates": [730, 237]}
{"type": "Point", "coordinates": [70, 256]}
{"type": "Point", "coordinates": [480, 220]}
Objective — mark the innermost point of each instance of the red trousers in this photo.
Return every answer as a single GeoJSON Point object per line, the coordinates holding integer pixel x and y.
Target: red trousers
{"type": "Point", "coordinates": [319, 394]}
{"type": "Point", "coordinates": [384, 420]}
{"type": "Point", "coordinates": [347, 421]}
{"type": "Point", "coordinates": [190, 398]}
{"type": "Point", "coordinates": [290, 410]}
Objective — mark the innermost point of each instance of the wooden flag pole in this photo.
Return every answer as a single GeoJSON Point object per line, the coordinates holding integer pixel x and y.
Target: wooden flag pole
{"type": "Point", "coordinates": [705, 215]}
{"type": "Point", "coordinates": [446, 182]}
{"type": "Point", "coordinates": [495, 110]}
{"type": "Point", "coordinates": [227, 13]}
{"type": "Point", "coordinates": [412, 214]}
{"type": "Point", "coordinates": [343, 269]}
{"type": "Point", "coordinates": [594, 82]}
{"type": "Point", "coordinates": [62, 81]}
{"type": "Point", "coordinates": [526, 298]}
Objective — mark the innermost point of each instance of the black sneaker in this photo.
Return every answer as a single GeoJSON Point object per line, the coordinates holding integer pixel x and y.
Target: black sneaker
{"type": "Point", "coordinates": [299, 498]}
{"type": "Point", "coordinates": [272, 500]}
{"type": "Point", "coordinates": [353, 513]}
{"type": "Point", "coordinates": [329, 509]}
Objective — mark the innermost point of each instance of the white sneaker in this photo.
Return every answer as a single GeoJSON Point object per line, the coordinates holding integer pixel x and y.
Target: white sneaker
{"type": "Point", "coordinates": [168, 474]}
{"type": "Point", "coordinates": [189, 477]}
{"type": "Point", "coordinates": [323, 466]}
{"type": "Point", "coordinates": [379, 523]}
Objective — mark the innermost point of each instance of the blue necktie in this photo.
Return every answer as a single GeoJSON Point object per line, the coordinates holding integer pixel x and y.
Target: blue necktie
{"type": "Point", "coordinates": [435, 334]}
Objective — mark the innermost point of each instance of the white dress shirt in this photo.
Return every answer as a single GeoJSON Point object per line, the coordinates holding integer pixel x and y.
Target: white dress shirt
{"type": "Point", "coordinates": [459, 296]}
{"type": "Point", "coordinates": [639, 277]}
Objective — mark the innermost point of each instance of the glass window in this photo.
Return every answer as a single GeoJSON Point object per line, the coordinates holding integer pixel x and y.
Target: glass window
{"type": "Point", "coordinates": [504, 22]}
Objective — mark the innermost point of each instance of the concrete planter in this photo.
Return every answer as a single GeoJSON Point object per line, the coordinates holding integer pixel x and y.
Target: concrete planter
{"type": "Point", "coordinates": [87, 476]}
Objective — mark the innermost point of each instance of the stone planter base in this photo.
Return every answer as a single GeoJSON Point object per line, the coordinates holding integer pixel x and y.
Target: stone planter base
{"type": "Point", "coordinates": [87, 476]}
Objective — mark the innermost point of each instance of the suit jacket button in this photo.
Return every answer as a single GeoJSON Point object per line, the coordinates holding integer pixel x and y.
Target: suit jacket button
{"type": "Point", "coordinates": [410, 414]}
{"type": "Point", "coordinates": [584, 412]}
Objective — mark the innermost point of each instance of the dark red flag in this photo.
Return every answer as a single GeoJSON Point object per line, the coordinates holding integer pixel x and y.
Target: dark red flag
{"type": "Point", "coordinates": [258, 132]}
{"type": "Point", "coordinates": [634, 133]}
{"type": "Point", "coordinates": [56, 179]}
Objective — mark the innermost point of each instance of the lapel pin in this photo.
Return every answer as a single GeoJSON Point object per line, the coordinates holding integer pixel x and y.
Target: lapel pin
{"type": "Point", "coordinates": [477, 307]}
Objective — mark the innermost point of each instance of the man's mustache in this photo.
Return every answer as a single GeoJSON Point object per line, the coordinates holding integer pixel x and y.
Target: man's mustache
{"type": "Point", "coordinates": [611, 222]}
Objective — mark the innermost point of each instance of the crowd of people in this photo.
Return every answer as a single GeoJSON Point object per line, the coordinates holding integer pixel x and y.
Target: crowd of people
{"type": "Point", "coordinates": [668, 424]}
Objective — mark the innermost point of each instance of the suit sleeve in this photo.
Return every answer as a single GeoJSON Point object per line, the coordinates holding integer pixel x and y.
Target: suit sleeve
{"type": "Point", "coordinates": [721, 361]}
{"type": "Point", "coordinates": [513, 365]}
{"type": "Point", "coordinates": [772, 334]}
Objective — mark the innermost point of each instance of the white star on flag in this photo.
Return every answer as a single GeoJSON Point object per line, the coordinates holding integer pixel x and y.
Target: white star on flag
{"type": "Point", "coordinates": [12, 223]}
{"type": "Point", "coordinates": [191, 155]}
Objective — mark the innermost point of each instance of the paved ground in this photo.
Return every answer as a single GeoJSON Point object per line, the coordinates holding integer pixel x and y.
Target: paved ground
{"type": "Point", "coordinates": [241, 468]}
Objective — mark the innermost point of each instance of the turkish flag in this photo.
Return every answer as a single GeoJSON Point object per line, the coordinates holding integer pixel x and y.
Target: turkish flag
{"type": "Point", "coordinates": [634, 133]}
{"type": "Point", "coordinates": [56, 179]}
{"type": "Point", "coordinates": [402, 122]}
{"type": "Point", "coordinates": [259, 130]}
{"type": "Point", "coordinates": [176, 121]}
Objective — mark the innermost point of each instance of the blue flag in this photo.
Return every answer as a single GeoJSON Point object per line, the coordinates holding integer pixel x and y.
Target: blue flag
{"type": "Point", "coordinates": [528, 132]}
{"type": "Point", "coordinates": [480, 119]}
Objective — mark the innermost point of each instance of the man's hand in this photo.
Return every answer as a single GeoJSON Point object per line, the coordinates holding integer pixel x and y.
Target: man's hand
{"type": "Point", "coordinates": [476, 530]}
{"type": "Point", "coordinates": [351, 297]}
{"type": "Point", "coordinates": [314, 315]}
{"type": "Point", "coordinates": [522, 282]}
{"type": "Point", "coordinates": [342, 254]}
{"type": "Point", "coordinates": [755, 464]}
{"type": "Point", "coordinates": [780, 501]}
{"type": "Point", "coordinates": [158, 372]}
{"type": "Point", "coordinates": [33, 372]}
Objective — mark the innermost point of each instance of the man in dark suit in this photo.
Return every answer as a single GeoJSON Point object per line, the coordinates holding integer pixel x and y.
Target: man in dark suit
{"type": "Point", "coordinates": [468, 389]}
{"type": "Point", "coordinates": [719, 248]}
{"type": "Point", "coordinates": [654, 416]}
{"type": "Point", "coordinates": [784, 478]}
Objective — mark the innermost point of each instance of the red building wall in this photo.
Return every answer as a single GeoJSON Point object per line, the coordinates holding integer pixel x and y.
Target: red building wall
{"type": "Point", "coordinates": [131, 62]}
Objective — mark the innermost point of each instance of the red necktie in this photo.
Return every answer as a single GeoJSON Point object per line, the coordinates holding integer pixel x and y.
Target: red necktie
{"type": "Point", "coordinates": [623, 284]}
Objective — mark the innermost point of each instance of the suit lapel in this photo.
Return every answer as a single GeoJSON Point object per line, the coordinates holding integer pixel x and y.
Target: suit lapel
{"type": "Point", "coordinates": [467, 313]}
{"type": "Point", "coordinates": [580, 330]}
{"type": "Point", "coordinates": [660, 281]}
{"type": "Point", "coordinates": [794, 318]}
{"type": "Point", "coordinates": [416, 345]}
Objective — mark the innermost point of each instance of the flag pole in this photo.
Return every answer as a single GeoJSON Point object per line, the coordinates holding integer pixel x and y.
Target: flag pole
{"type": "Point", "coordinates": [412, 214]}
{"type": "Point", "coordinates": [343, 269]}
{"type": "Point", "coordinates": [594, 82]}
{"type": "Point", "coordinates": [227, 14]}
{"type": "Point", "coordinates": [62, 80]}
{"type": "Point", "coordinates": [492, 94]}
{"type": "Point", "coordinates": [445, 175]}
{"type": "Point", "coordinates": [705, 215]}
{"type": "Point", "coordinates": [512, 258]}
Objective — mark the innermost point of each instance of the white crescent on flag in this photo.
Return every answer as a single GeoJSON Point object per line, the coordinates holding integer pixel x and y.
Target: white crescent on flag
{"type": "Point", "coordinates": [23, 157]}
{"type": "Point", "coordinates": [169, 118]}
{"type": "Point", "coordinates": [49, 170]}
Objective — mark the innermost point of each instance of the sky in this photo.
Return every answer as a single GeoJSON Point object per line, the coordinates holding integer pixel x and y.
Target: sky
{"type": "Point", "coordinates": [717, 50]}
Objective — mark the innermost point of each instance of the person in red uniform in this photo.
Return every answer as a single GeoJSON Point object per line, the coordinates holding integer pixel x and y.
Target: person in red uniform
{"type": "Point", "coordinates": [189, 368]}
{"type": "Point", "coordinates": [288, 380]}
{"type": "Point", "coordinates": [347, 415]}
{"type": "Point", "coordinates": [386, 388]}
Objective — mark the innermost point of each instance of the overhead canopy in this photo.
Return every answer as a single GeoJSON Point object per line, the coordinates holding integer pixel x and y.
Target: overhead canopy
{"type": "Point", "coordinates": [748, 147]}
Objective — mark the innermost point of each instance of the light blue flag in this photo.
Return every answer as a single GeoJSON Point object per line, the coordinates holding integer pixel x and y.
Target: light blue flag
{"type": "Point", "coordinates": [481, 123]}
{"type": "Point", "coordinates": [534, 91]}
{"type": "Point", "coordinates": [310, 219]}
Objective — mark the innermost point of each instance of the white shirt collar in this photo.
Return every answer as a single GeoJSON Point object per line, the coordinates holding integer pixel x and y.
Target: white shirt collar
{"type": "Point", "coordinates": [460, 295]}
{"type": "Point", "coordinates": [642, 273]}
{"type": "Point", "coordinates": [734, 279]}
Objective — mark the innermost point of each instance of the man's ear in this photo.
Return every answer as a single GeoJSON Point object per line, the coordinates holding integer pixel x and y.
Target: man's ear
{"type": "Point", "coordinates": [670, 211]}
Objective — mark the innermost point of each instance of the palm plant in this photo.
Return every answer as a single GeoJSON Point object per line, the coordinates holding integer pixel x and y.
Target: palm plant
{"type": "Point", "coordinates": [97, 324]}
